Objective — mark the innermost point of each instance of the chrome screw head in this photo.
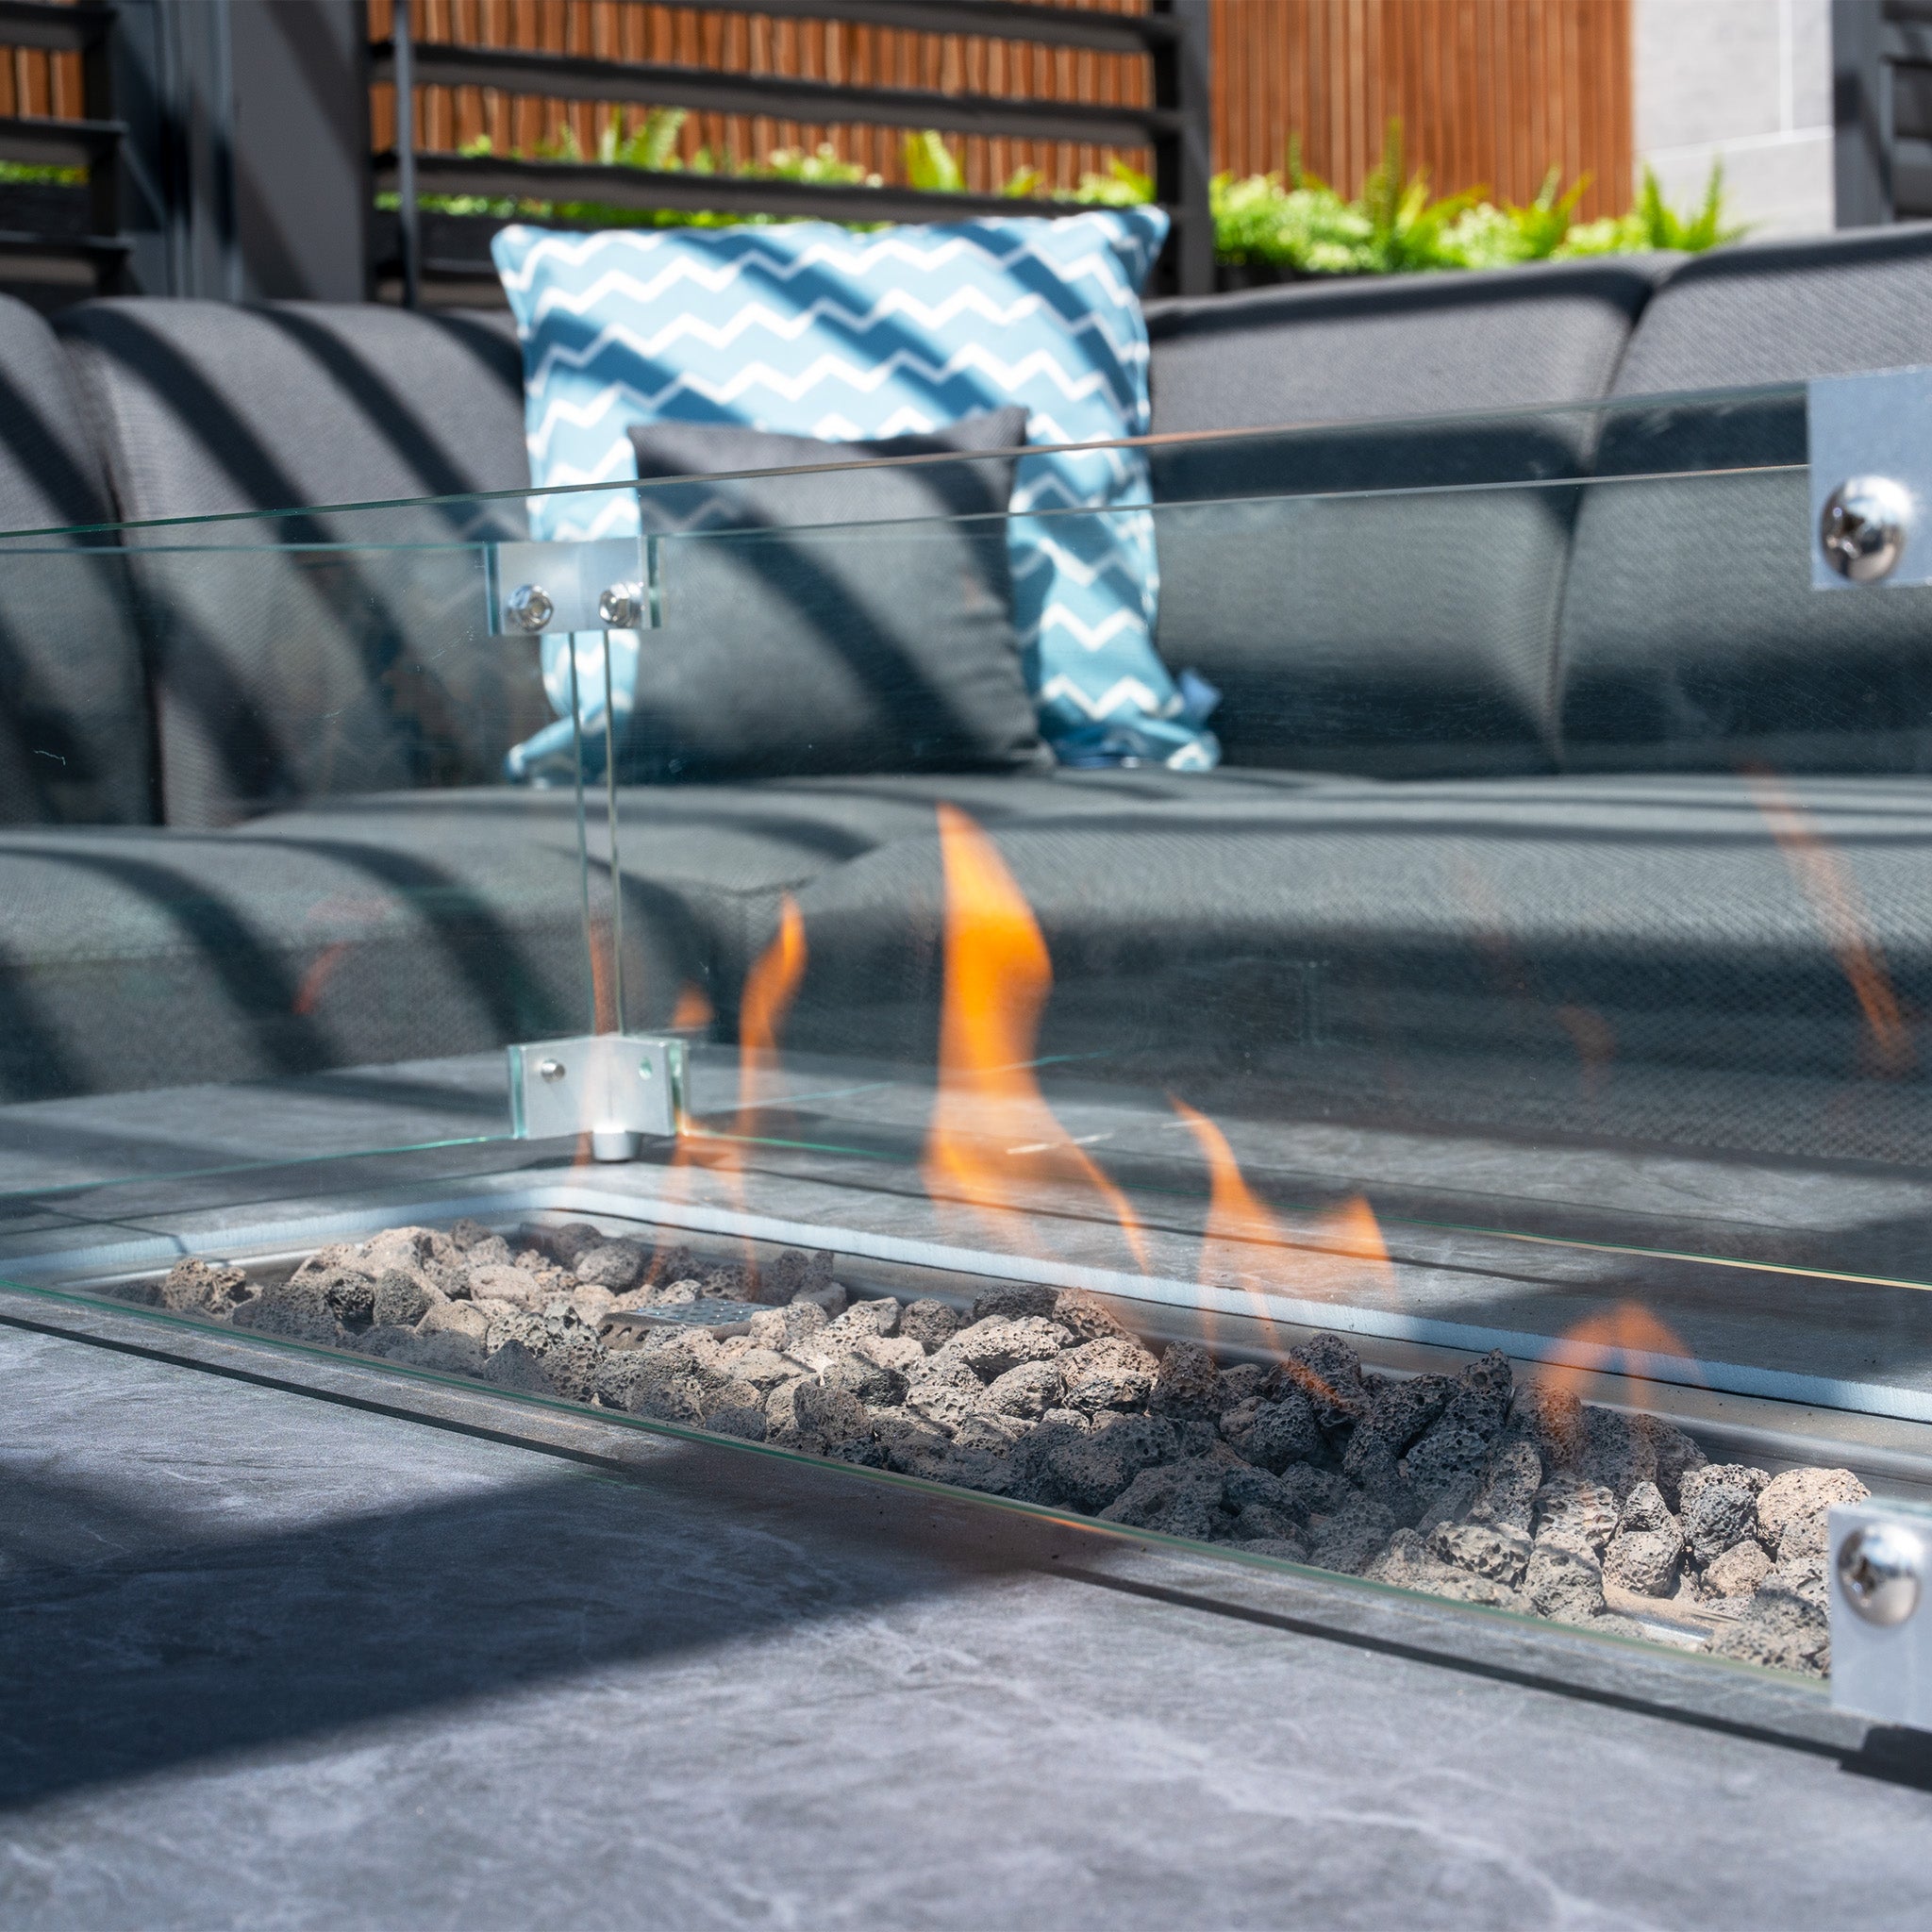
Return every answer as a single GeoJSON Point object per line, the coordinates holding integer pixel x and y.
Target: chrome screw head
{"type": "Point", "coordinates": [529, 608]}
{"type": "Point", "coordinates": [1863, 528]}
{"type": "Point", "coordinates": [644, 1070]}
{"type": "Point", "coordinates": [1879, 1567]}
{"type": "Point", "coordinates": [550, 1070]}
{"type": "Point", "coordinates": [622, 607]}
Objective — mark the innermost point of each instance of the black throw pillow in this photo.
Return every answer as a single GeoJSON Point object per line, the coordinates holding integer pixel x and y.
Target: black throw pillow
{"type": "Point", "coordinates": [836, 621]}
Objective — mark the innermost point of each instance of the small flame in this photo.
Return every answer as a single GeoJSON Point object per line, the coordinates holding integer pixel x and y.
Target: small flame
{"type": "Point", "coordinates": [988, 1113]}
{"type": "Point", "coordinates": [1828, 883]}
{"type": "Point", "coordinates": [1625, 1332]}
{"type": "Point", "coordinates": [769, 990]}
{"type": "Point", "coordinates": [693, 1011]}
{"type": "Point", "coordinates": [315, 980]}
{"type": "Point", "coordinates": [1341, 1258]}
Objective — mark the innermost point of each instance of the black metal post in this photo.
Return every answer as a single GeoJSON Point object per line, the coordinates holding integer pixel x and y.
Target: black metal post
{"type": "Point", "coordinates": [1861, 114]}
{"type": "Point", "coordinates": [1182, 158]}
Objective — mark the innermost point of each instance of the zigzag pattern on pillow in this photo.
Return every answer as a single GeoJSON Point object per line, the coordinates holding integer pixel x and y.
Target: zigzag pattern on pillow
{"type": "Point", "coordinates": [808, 329]}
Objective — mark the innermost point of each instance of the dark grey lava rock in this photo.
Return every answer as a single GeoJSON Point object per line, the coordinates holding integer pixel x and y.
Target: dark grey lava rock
{"type": "Point", "coordinates": [1316, 1492]}
{"type": "Point", "coordinates": [1275, 1434]}
{"type": "Point", "coordinates": [859, 1375]}
{"type": "Point", "coordinates": [1400, 1411]}
{"type": "Point", "coordinates": [1781, 1631]}
{"type": "Point", "coordinates": [1187, 1385]}
{"type": "Point", "coordinates": [1565, 1583]}
{"type": "Point", "coordinates": [402, 1298]}
{"type": "Point", "coordinates": [1371, 1464]}
{"type": "Point", "coordinates": [1793, 1510]}
{"type": "Point", "coordinates": [785, 1279]}
{"type": "Point", "coordinates": [616, 1265]}
{"type": "Point", "coordinates": [931, 1322]}
{"type": "Point", "coordinates": [1086, 1468]}
{"type": "Point", "coordinates": [1177, 1498]}
{"type": "Point", "coordinates": [1480, 1402]}
{"type": "Point", "coordinates": [730, 1409]}
{"type": "Point", "coordinates": [1245, 1382]}
{"type": "Point", "coordinates": [517, 1368]}
{"type": "Point", "coordinates": [1512, 1474]}
{"type": "Point", "coordinates": [1013, 1301]}
{"type": "Point", "coordinates": [466, 1233]}
{"type": "Point", "coordinates": [1647, 1561]}
{"type": "Point", "coordinates": [569, 1240]}
{"type": "Point", "coordinates": [1718, 1506]}
{"type": "Point", "coordinates": [203, 1287]}
{"type": "Point", "coordinates": [1245, 1487]}
{"type": "Point", "coordinates": [1112, 1372]}
{"type": "Point", "coordinates": [992, 1347]}
{"type": "Point", "coordinates": [1617, 1452]}
{"type": "Point", "coordinates": [911, 1445]}
{"type": "Point", "coordinates": [1410, 1563]}
{"type": "Point", "coordinates": [1498, 1551]}
{"type": "Point", "coordinates": [1329, 1373]}
{"type": "Point", "coordinates": [574, 1366]}
{"type": "Point", "coordinates": [1353, 1536]}
{"type": "Point", "coordinates": [1086, 1317]}
{"type": "Point", "coordinates": [296, 1311]}
{"type": "Point", "coordinates": [1571, 1508]}
{"type": "Point", "coordinates": [619, 1374]}
{"type": "Point", "coordinates": [818, 1421]}
{"type": "Point", "coordinates": [1551, 1416]}
{"type": "Point", "coordinates": [1677, 1457]}
{"type": "Point", "coordinates": [1644, 1509]}
{"type": "Point", "coordinates": [1448, 1461]}
{"type": "Point", "coordinates": [445, 1350]}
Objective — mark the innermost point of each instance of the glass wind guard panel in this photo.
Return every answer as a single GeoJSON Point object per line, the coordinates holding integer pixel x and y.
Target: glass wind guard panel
{"type": "Point", "coordinates": [1475, 1138]}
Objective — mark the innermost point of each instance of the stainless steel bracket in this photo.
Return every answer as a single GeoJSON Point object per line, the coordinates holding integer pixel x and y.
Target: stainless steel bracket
{"type": "Point", "coordinates": [551, 590]}
{"type": "Point", "coordinates": [1878, 1563]}
{"type": "Point", "coordinates": [617, 1088]}
{"type": "Point", "coordinates": [1871, 459]}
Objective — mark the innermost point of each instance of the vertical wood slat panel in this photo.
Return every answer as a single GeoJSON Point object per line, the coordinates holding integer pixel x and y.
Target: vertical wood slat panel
{"type": "Point", "coordinates": [1490, 92]}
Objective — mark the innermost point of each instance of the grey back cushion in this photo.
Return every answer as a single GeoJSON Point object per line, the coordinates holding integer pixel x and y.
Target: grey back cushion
{"type": "Point", "coordinates": [312, 655]}
{"type": "Point", "coordinates": [1391, 635]}
{"type": "Point", "coordinates": [837, 620]}
{"type": "Point", "coordinates": [75, 732]}
{"type": "Point", "coordinates": [1691, 638]}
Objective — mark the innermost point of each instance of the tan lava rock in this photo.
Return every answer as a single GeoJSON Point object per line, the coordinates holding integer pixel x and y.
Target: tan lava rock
{"type": "Point", "coordinates": [784, 1329]}
{"type": "Point", "coordinates": [1565, 1584]}
{"type": "Point", "coordinates": [508, 1283]}
{"type": "Point", "coordinates": [1086, 1317]}
{"type": "Point", "coordinates": [1112, 1372]}
{"type": "Point", "coordinates": [456, 1318]}
{"type": "Point", "coordinates": [1779, 1630]}
{"type": "Point", "coordinates": [1499, 1551]}
{"type": "Point", "coordinates": [892, 1351]}
{"type": "Point", "coordinates": [913, 1446]}
{"type": "Point", "coordinates": [204, 1287]}
{"type": "Point", "coordinates": [944, 1392]}
{"type": "Point", "coordinates": [1793, 1509]}
{"type": "Point", "coordinates": [1739, 1570]}
{"type": "Point", "coordinates": [806, 1416]}
{"type": "Point", "coordinates": [874, 1319]}
{"type": "Point", "coordinates": [1573, 1508]}
{"type": "Point", "coordinates": [931, 1322]}
{"type": "Point", "coordinates": [1027, 1391]}
{"type": "Point", "coordinates": [992, 1347]}
{"type": "Point", "coordinates": [1647, 1561]}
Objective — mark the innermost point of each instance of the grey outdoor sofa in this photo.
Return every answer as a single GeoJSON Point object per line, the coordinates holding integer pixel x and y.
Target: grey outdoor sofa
{"type": "Point", "coordinates": [1496, 758]}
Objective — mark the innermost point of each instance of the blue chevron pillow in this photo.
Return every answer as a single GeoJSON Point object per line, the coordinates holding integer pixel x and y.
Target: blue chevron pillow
{"type": "Point", "coordinates": [806, 329]}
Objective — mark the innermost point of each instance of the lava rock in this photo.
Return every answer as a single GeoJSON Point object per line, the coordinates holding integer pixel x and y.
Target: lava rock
{"type": "Point", "coordinates": [616, 1265]}
{"type": "Point", "coordinates": [1498, 1551]}
{"type": "Point", "coordinates": [203, 1287]}
{"type": "Point", "coordinates": [1329, 1373]}
{"type": "Point", "coordinates": [1565, 1584]}
{"type": "Point", "coordinates": [731, 1408]}
{"type": "Point", "coordinates": [508, 1283]}
{"type": "Point", "coordinates": [1400, 1411]}
{"type": "Point", "coordinates": [1551, 1416]}
{"type": "Point", "coordinates": [1177, 1498]}
{"type": "Point", "coordinates": [990, 1433]}
{"type": "Point", "coordinates": [791, 1275]}
{"type": "Point", "coordinates": [1448, 1461]}
{"type": "Point", "coordinates": [1086, 1469]}
{"type": "Point", "coordinates": [1739, 1570]}
{"type": "Point", "coordinates": [897, 1351]}
{"type": "Point", "coordinates": [492, 1251]}
{"type": "Point", "coordinates": [1353, 1536]}
{"type": "Point", "coordinates": [569, 1240]}
{"type": "Point", "coordinates": [1571, 1508]}
{"type": "Point", "coordinates": [1112, 1372]}
{"type": "Point", "coordinates": [912, 1444]}
{"type": "Point", "coordinates": [1647, 1561]}
{"type": "Point", "coordinates": [466, 1233]}
{"type": "Point", "coordinates": [1792, 1510]}
{"type": "Point", "coordinates": [992, 1347]}
{"type": "Point", "coordinates": [445, 1350]}
{"type": "Point", "coordinates": [930, 1322]}
{"type": "Point", "coordinates": [1779, 1630]}
{"type": "Point", "coordinates": [456, 1318]}
{"type": "Point", "coordinates": [944, 1392]}
{"type": "Point", "coordinates": [574, 1366]}
{"type": "Point", "coordinates": [1275, 1434]}
{"type": "Point", "coordinates": [1013, 1301]}
{"type": "Point", "coordinates": [870, 1380]}
{"type": "Point", "coordinates": [1645, 1509]}
{"type": "Point", "coordinates": [810, 1417]}
{"type": "Point", "coordinates": [402, 1298]}
{"type": "Point", "coordinates": [786, 1328]}
{"type": "Point", "coordinates": [296, 1311]}
{"type": "Point", "coordinates": [1245, 1382]}
{"type": "Point", "coordinates": [1245, 1487]}
{"type": "Point", "coordinates": [1619, 1453]}
{"type": "Point", "coordinates": [1371, 1464]}
{"type": "Point", "coordinates": [1480, 1402]}
{"type": "Point", "coordinates": [1086, 1317]}
{"type": "Point", "coordinates": [1677, 1457]}
{"type": "Point", "coordinates": [1028, 1391]}
{"type": "Point", "coordinates": [1802, 1576]}
{"type": "Point", "coordinates": [1314, 1491]}
{"type": "Point", "coordinates": [876, 1318]}
{"type": "Point", "coordinates": [1512, 1474]}
{"type": "Point", "coordinates": [1718, 1506]}
{"type": "Point", "coordinates": [765, 1368]}
{"type": "Point", "coordinates": [515, 1367]}
{"type": "Point", "coordinates": [1187, 1385]}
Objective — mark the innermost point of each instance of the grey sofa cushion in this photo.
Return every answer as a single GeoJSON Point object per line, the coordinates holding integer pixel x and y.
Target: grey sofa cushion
{"type": "Point", "coordinates": [839, 620]}
{"type": "Point", "coordinates": [1691, 638]}
{"type": "Point", "coordinates": [75, 741]}
{"type": "Point", "coordinates": [288, 673]}
{"type": "Point", "coordinates": [1395, 634]}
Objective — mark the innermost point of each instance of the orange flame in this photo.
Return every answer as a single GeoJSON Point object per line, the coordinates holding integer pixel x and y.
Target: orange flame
{"type": "Point", "coordinates": [1825, 879]}
{"type": "Point", "coordinates": [769, 990]}
{"type": "Point", "coordinates": [693, 1011]}
{"type": "Point", "coordinates": [1343, 1256]}
{"type": "Point", "coordinates": [1628, 1330]}
{"type": "Point", "coordinates": [988, 1110]}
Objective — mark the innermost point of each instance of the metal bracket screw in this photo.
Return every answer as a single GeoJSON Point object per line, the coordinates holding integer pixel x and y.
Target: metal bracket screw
{"type": "Point", "coordinates": [1880, 1566]}
{"type": "Point", "coordinates": [551, 1070]}
{"type": "Point", "coordinates": [529, 608]}
{"type": "Point", "coordinates": [1863, 529]}
{"type": "Point", "coordinates": [623, 607]}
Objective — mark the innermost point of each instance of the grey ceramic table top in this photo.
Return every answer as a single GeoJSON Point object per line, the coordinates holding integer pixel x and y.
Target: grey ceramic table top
{"type": "Point", "coordinates": [271, 1662]}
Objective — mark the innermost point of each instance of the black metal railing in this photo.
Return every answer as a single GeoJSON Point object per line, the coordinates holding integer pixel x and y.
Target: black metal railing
{"type": "Point", "coordinates": [1172, 37]}
{"type": "Point", "coordinates": [1882, 109]}
{"type": "Point", "coordinates": [49, 229]}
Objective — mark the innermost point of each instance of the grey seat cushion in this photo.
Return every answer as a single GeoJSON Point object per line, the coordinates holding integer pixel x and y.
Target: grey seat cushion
{"type": "Point", "coordinates": [395, 926]}
{"type": "Point", "coordinates": [286, 673]}
{"type": "Point", "coordinates": [1357, 629]}
{"type": "Point", "coordinates": [75, 744]}
{"type": "Point", "coordinates": [1691, 638]}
